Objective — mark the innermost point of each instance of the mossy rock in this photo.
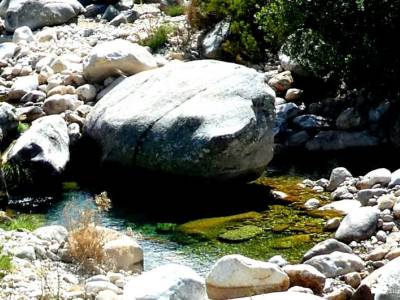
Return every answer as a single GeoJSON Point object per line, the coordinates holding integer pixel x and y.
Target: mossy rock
{"type": "Point", "coordinates": [291, 241]}
{"type": "Point", "coordinates": [211, 228]}
{"type": "Point", "coordinates": [241, 234]}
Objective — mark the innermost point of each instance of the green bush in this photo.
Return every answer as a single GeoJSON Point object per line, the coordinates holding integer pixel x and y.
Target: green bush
{"type": "Point", "coordinates": [175, 10]}
{"type": "Point", "coordinates": [158, 38]}
{"type": "Point", "coordinates": [246, 39]}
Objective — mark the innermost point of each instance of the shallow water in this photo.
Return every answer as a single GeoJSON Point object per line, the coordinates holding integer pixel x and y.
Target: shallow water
{"type": "Point", "coordinates": [283, 228]}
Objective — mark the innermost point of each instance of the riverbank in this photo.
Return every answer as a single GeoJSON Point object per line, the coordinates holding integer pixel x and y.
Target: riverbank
{"type": "Point", "coordinates": [366, 241]}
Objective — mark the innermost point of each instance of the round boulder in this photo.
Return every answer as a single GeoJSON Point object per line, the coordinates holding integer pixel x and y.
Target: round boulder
{"type": "Point", "coordinates": [204, 119]}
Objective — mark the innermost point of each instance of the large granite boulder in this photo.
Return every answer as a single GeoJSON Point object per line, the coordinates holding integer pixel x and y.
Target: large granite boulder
{"type": "Point", "coordinates": [204, 119]}
{"type": "Point", "coordinates": [38, 13]}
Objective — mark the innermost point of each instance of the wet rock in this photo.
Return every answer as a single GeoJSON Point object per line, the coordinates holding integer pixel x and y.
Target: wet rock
{"type": "Point", "coordinates": [307, 122]}
{"type": "Point", "coordinates": [348, 119]}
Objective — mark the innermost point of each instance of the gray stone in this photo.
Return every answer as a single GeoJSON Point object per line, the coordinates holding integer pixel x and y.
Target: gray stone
{"type": "Point", "coordinates": [342, 206]}
{"type": "Point", "coordinates": [117, 57]}
{"type": "Point", "coordinates": [298, 139]}
{"type": "Point", "coordinates": [338, 176]}
{"type": "Point", "coordinates": [30, 113]}
{"type": "Point", "coordinates": [307, 122]}
{"type": "Point", "coordinates": [358, 225]}
{"type": "Point", "coordinates": [395, 179]}
{"type": "Point", "coordinates": [364, 195]}
{"type": "Point", "coordinates": [52, 233]}
{"type": "Point", "coordinates": [205, 119]}
{"type": "Point", "coordinates": [326, 247]}
{"type": "Point", "coordinates": [348, 119]}
{"type": "Point", "coordinates": [110, 13]}
{"type": "Point", "coordinates": [22, 86]}
{"type": "Point", "coordinates": [39, 13]}
{"type": "Point", "coordinates": [340, 140]}
{"type": "Point", "coordinates": [60, 103]}
{"type": "Point", "coordinates": [379, 176]}
{"type": "Point", "coordinates": [43, 148]}
{"type": "Point", "coordinates": [235, 276]}
{"type": "Point", "coordinates": [382, 284]}
{"type": "Point", "coordinates": [336, 263]}
{"type": "Point", "coordinates": [212, 43]}
{"type": "Point", "coordinates": [23, 33]}
{"type": "Point", "coordinates": [306, 276]}
{"type": "Point", "coordinates": [283, 296]}
{"type": "Point", "coordinates": [8, 121]}
{"type": "Point", "coordinates": [7, 50]}
{"type": "Point", "coordinates": [166, 282]}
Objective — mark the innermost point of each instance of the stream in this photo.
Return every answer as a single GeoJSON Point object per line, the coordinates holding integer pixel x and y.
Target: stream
{"type": "Point", "coordinates": [197, 235]}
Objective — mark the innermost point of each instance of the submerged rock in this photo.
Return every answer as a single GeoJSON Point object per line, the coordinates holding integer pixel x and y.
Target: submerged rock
{"type": "Point", "coordinates": [243, 233]}
{"type": "Point", "coordinates": [235, 276]}
{"type": "Point", "coordinates": [204, 119]}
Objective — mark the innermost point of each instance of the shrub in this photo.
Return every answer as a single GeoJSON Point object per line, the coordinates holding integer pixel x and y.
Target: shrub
{"type": "Point", "coordinates": [5, 263]}
{"type": "Point", "coordinates": [85, 240]}
{"type": "Point", "coordinates": [158, 38]}
{"type": "Point", "coordinates": [175, 10]}
{"type": "Point", "coordinates": [28, 222]}
{"type": "Point", "coordinates": [245, 39]}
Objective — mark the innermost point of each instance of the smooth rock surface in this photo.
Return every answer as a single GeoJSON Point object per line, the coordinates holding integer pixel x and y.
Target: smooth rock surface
{"type": "Point", "coordinates": [204, 119]}
{"type": "Point", "coordinates": [235, 276]}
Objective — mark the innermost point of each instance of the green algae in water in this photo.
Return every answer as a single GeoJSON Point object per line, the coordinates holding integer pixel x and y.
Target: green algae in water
{"type": "Point", "coordinates": [211, 228]}
{"type": "Point", "coordinates": [241, 234]}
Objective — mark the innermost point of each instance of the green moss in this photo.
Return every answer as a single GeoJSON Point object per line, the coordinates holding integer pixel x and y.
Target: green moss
{"type": "Point", "coordinates": [27, 222]}
{"type": "Point", "coordinates": [175, 10]}
{"type": "Point", "coordinates": [22, 127]}
{"type": "Point", "coordinates": [165, 227]}
{"type": "Point", "coordinates": [5, 263]}
{"type": "Point", "coordinates": [291, 241]}
{"type": "Point", "coordinates": [241, 234]}
{"type": "Point", "coordinates": [212, 227]}
{"type": "Point", "coordinates": [70, 186]}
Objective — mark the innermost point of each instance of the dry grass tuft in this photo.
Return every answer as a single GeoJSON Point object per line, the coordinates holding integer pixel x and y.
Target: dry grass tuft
{"type": "Point", "coordinates": [102, 201]}
{"type": "Point", "coordinates": [85, 240]}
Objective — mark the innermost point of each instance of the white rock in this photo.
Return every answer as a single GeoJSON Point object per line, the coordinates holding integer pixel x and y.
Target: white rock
{"type": "Point", "coordinates": [95, 287]}
{"type": "Point", "coordinates": [305, 276]}
{"type": "Point", "coordinates": [107, 295]}
{"type": "Point", "coordinates": [378, 176]}
{"type": "Point", "coordinates": [22, 86]}
{"type": "Point", "coordinates": [386, 201]}
{"type": "Point", "coordinates": [338, 176]}
{"type": "Point", "coordinates": [60, 103]}
{"type": "Point", "coordinates": [312, 203]}
{"type": "Point", "coordinates": [25, 252]}
{"type": "Point", "coordinates": [8, 50]}
{"type": "Point", "coordinates": [124, 254]}
{"type": "Point", "coordinates": [116, 57]}
{"type": "Point", "coordinates": [235, 276]}
{"type": "Point", "coordinates": [166, 282]}
{"type": "Point", "coordinates": [46, 35]}
{"type": "Point", "coordinates": [343, 206]}
{"type": "Point", "coordinates": [336, 263]}
{"type": "Point", "coordinates": [23, 33]}
{"type": "Point", "coordinates": [87, 92]}
{"type": "Point", "coordinates": [52, 233]}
